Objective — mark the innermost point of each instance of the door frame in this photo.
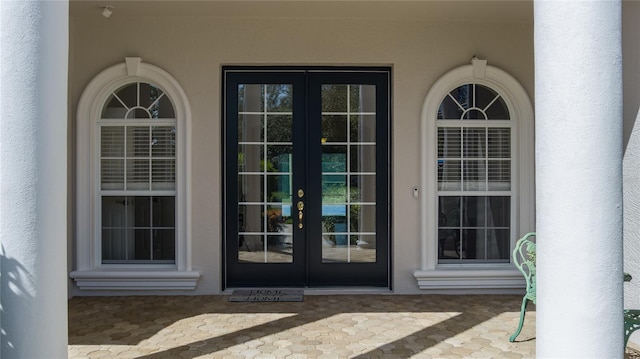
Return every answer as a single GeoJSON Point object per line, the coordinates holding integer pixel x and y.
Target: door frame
{"type": "Point", "coordinates": [340, 75]}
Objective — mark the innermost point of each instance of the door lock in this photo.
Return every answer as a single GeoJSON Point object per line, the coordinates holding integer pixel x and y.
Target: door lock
{"type": "Point", "coordinates": [300, 213]}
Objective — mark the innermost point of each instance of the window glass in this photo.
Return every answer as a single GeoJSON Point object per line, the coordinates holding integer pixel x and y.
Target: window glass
{"type": "Point", "coordinates": [114, 108]}
{"type": "Point", "coordinates": [137, 176]}
{"type": "Point", "coordinates": [138, 101]}
{"type": "Point", "coordinates": [474, 164]}
{"type": "Point", "coordinates": [473, 102]}
{"type": "Point", "coordinates": [138, 229]}
{"type": "Point", "coordinates": [128, 95]}
{"type": "Point", "coordinates": [473, 228]}
{"type": "Point", "coordinates": [449, 109]}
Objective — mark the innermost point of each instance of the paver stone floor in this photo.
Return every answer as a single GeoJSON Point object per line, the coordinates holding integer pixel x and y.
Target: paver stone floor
{"type": "Point", "coordinates": [322, 326]}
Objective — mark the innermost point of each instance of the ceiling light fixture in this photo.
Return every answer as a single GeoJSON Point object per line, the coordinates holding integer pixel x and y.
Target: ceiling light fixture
{"type": "Point", "coordinates": [107, 10]}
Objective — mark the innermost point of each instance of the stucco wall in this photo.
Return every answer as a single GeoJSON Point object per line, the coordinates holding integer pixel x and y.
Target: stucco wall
{"type": "Point", "coordinates": [193, 49]}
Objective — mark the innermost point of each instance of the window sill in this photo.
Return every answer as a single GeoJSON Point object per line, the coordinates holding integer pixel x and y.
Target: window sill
{"type": "Point", "coordinates": [135, 279]}
{"type": "Point", "coordinates": [506, 277]}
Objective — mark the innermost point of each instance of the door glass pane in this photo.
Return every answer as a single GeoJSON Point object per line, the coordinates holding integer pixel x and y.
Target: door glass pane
{"type": "Point", "coordinates": [362, 188]}
{"type": "Point", "coordinates": [279, 158]}
{"type": "Point", "coordinates": [334, 191]}
{"type": "Point", "coordinates": [250, 128]}
{"type": "Point", "coordinates": [362, 128]}
{"type": "Point", "coordinates": [250, 219]}
{"type": "Point", "coordinates": [279, 98]}
{"type": "Point", "coordinates": [251, 248]}
{"type": "Point", "coordinates": [279, 128]}
{"type": "Point", "coordinates": [362, 98]}
{"type": "Point", "coordinates": [279, 188]}
{"type": "Point", "coordinates": [250, 98]}
{"type": "Point", "coordinates": [265, 124]}
{"type": "Point", "coordinates": [334, 98]}
{"type": "Point", "coordinates": [363, 158]}
{"type": "Point", "coordinates": [251, 188]}
{"type": "Point", "coordinates": [334, 128]}
{"type": "Point", "coordinates": [334, 158]}
{"type": "Point", "coordinates": [348, 174]}
{"type": "Point", "coordinates": [249, 158]}
{"type": "Point", "coordinates": [362, 218]}
{"type": "Point", "coordinates": [366, 252]}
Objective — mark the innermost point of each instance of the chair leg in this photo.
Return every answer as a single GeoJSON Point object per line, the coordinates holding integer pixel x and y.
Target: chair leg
{"type": "Point", "coordinates": [525, 301]}
{"type": "Point", "coordinates": [626, 339]}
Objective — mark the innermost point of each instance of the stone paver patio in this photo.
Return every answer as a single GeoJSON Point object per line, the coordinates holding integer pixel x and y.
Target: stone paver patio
{"type": "Point", "coordinates": [323, 326]}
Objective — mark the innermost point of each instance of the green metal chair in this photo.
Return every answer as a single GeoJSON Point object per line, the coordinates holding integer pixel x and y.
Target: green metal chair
{"type": "Point", "coordinates": [524, 258]}
{"type": "Point", "coordinates": [631, 318]}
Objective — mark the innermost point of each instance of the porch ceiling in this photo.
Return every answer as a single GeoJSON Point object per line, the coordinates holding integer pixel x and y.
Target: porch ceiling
{"type": "Point", "coordinates": [517, 11]}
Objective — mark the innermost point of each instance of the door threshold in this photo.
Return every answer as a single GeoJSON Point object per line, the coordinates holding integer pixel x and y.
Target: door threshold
{"type": "Point", "coordinates": [347, 291]}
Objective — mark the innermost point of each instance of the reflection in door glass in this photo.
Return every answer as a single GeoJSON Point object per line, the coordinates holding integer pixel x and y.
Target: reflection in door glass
{"type": "Point", "coordinates": [265, 152]}
{"type": "Point", "coordinates": [348, 174]}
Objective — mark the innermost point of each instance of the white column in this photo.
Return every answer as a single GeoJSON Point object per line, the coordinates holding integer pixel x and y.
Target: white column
{"type": "Point", "coordinates": [33, 178]}
{"type": "Point", "coordinates": [578, 74]}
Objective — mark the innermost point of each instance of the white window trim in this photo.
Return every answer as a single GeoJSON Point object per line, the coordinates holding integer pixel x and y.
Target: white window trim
{"type": "Point", "coordinates": [474, 277]}
{"type": "Point", "coordinates": [90, 273]}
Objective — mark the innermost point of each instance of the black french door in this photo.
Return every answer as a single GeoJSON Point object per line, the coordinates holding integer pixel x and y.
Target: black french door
{"type": "Point", "coordinates": [306, 177]}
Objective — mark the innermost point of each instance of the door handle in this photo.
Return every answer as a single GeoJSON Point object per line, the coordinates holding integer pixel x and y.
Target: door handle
{"type": "Point", "coordinates": [300, 213]}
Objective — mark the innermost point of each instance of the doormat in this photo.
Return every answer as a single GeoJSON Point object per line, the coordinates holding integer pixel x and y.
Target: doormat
{"type": "Point", "coordinates": [267, 295]}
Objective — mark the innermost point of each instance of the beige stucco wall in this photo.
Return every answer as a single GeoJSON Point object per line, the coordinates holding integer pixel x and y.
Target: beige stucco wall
{"type": "Point", "coordinates": [193, 48]}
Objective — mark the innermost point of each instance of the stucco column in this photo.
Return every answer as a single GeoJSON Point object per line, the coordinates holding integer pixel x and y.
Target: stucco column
{"type": "Point", "coordinates": [33, 178]}
{"type": "Point", "coordinates": [578, 79]}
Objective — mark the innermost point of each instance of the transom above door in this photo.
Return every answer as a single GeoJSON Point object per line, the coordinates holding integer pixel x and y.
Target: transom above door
{"type": "Point", "coordinates": [306, 177]}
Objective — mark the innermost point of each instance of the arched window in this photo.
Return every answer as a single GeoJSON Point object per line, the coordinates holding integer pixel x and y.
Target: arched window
{"type": "Point", "coordinates": [137, 192]}
{"type": "Point", "coordinates": [474, 186]}
{"type": "Point", "coordinates": [477, 168]}
{"type": "Point", "coordinates": [132, 179]}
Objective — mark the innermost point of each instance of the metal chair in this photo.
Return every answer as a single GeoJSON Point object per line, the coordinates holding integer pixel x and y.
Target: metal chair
{"type": "Point", "coordinates": [631, 318]}
{"type": "Point", "coordinates": [524, 258]}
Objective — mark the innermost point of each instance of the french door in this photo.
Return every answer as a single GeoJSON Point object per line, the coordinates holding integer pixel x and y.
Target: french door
{"type": "Point", "coordinates": [306, 177]}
